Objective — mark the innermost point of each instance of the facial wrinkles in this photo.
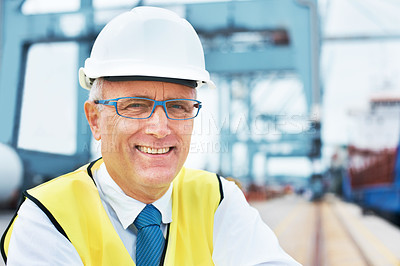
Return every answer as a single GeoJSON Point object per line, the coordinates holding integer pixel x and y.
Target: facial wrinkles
{"type": "Point", "coordinates": [159, 92]}
{"type": "Point", "coordinates": [112, 122]}
{"type": "Point", "coordinates": [115, 122]}
{"type": "Point", "coordinates": [128, 137]}
{"type": "Point", "coordinates": [163, 90]}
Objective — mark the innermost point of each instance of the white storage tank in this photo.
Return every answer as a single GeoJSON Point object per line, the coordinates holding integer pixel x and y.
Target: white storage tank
{"type": "Point", "coordinates": [11, 174]}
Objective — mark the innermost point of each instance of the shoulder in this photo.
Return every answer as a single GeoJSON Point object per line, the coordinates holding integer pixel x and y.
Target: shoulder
{"type": "Point", "coordinates": [81, 176]}
{"type": "Point", "coordinates": [46, 246]}
{"type": "Point", "coordinates": [192, 175]}
{"type": "Point", "coordinates": [235, 221]}
{"type": "Point", "coordinates": [193, 183]}
{"type": "Point", "coordinates": [195, 177]}
{"type": "Point", "coordinates": [202, 179]}
{"type": "Point", "coordinates": [78, 179]}
{"type": "Point", "coordinates": [62, 198]}
{"type": "Point", "coordinates": [210, 183]}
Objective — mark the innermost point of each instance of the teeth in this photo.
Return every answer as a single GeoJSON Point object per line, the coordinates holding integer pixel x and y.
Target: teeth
{"type": "Point", "coordinates": [153, 150]}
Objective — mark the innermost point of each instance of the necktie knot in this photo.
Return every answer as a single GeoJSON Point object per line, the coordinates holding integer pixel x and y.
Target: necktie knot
{"type": "Point", "coordinates": [147, 217]}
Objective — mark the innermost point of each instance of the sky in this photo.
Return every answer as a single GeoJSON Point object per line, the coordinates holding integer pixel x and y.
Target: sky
{"type": "Point", "coordinates": [351, 71]}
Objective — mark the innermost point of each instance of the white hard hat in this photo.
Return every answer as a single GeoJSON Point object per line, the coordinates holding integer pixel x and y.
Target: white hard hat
{"type": "Point", "coordinates": [146, 42]}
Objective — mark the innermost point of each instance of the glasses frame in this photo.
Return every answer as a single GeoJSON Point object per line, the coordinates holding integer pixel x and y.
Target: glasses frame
{"type": "Point", "coordinates": [113, 102]}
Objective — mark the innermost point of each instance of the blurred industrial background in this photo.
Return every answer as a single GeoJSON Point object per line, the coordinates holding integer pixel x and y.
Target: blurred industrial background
{"type": "Point", "coordinates": [305, 117]}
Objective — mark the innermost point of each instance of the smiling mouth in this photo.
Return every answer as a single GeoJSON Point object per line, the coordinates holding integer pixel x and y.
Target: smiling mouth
{"type": "Point", "coordinates": [150, 150]}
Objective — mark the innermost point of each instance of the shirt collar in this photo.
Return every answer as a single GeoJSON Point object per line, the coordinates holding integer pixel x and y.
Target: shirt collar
{"type": "Point", "coordinates": [127, 208]}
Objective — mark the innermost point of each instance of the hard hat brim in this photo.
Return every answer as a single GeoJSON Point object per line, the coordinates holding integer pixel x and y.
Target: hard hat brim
{"type": "Point", "coordinates": [87, 81]}
{"type": "Point", "coordinates": [185, 82]}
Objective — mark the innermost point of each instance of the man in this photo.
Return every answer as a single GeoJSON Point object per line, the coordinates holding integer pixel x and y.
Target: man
{"type": "Point", "coordinates": [138, 205]}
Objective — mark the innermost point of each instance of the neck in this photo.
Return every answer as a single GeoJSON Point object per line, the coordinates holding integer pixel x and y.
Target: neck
{"type": "Point", "coordinates": [141, 190]}
{"type": "Point", "coordinates": [146, 196]}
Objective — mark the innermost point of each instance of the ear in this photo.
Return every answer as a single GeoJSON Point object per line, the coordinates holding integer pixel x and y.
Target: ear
{"type": "Point", "coordinates": [93, 118]}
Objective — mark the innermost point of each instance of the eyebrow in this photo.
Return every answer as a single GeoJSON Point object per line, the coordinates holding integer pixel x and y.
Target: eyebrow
{"type": "Point", "coordinates": [167, 98]}
{"type": "Point", "coordinates": [141, 96]}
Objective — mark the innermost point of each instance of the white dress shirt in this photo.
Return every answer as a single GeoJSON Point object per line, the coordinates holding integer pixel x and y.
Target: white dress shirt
{"type": "Point", "coordinates": [240, 236]}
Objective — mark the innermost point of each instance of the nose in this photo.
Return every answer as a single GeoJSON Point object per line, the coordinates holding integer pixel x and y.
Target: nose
{"type": "Point", "coordinates": [157, 124]}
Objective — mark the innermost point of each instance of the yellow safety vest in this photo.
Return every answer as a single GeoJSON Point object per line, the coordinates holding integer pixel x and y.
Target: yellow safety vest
{"type": "Point", "coordinates": [73, 205]}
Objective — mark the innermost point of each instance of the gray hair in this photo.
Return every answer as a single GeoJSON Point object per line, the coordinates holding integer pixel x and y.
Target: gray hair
{"type": "Point", "coordinates": [96, 92]}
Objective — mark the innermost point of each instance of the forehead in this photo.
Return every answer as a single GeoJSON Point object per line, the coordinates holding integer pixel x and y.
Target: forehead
{"type": "Point", "coordinates": [149, 89]}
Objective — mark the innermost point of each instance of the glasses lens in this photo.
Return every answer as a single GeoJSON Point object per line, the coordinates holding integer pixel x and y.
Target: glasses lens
{"type": "Point", "coordinates": [135, 108]}
{"type": "Point", "coordinates": [182, 109]}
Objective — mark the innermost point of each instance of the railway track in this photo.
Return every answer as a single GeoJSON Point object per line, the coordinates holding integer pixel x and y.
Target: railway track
{"type": "Point", "coordinates": [331, 233]}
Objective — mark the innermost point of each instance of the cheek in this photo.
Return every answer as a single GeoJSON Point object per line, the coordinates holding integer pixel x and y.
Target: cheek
{"type": "Point", "coordinates": [185, 130]}
{"type": "Point", "coordinates": [127, 127]}
{"type": "Point", "coordinates": [115, 129]}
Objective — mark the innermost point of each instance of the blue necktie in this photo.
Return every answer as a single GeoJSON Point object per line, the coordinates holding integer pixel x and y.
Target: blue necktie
{"type": "Point", "coordinates": [150, 239]}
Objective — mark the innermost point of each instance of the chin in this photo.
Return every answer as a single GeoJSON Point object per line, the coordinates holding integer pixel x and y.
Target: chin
{"type": "Point", "coordinates": [160, 176]}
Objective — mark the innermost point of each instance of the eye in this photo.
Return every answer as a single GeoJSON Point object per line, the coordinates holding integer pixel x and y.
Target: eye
{"type": "Point", "coordinates": [136, 105]}
{"type": "Point", "coordinates": [177, 106]}
{"type": "Point", "coordinates": [180, 106]}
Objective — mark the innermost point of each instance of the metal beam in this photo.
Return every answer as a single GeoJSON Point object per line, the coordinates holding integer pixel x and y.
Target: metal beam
{"type": "Point", "coordinates": [362, 37]}
{"type": "Point", "coordinates": [298, 17]}
{"type": "Point", "coordinates": [10, 70]}
{"type": "Point", "coordinates": [277, 58]}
